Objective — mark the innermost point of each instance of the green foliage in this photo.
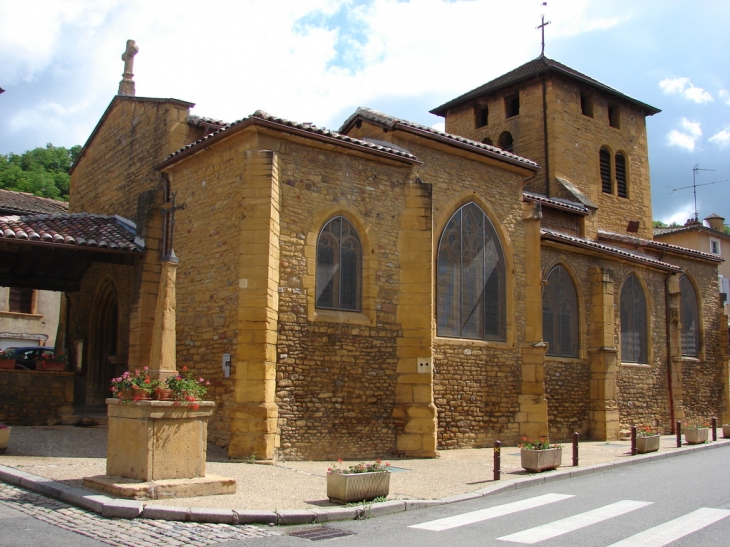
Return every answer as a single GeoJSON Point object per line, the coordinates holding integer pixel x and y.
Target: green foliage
{"type": "Point", "coordinates": [660, 224]}
{"type": "Point", "coordinates": [41, 171]}
{"type": "Point", "coordinates": [726, 229]}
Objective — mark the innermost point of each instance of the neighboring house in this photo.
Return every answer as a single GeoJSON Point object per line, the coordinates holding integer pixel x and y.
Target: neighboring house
{"type": "Point", "coordinates": [392, 289]}
{"type": "Point", "coordinates": [28, 317]}
{"type": "Point", "coordinates": [708, 239]}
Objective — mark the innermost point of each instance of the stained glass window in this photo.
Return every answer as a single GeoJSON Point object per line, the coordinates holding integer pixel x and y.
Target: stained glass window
{"type": "Point", "coordinates": [560, 314]}
{"type": "Point", "coordinates": [689, 313]}
{"type": "Point", "coordinates": [339, 266]}
{"type": "Point", "coordinates": [633, 322]}
{"type": "Point", "coordinates": [470, 278]}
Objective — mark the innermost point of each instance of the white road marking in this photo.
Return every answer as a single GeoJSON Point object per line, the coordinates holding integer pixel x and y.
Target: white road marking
{"type": "Point", "coordinates": [674, 529]}
{"type": "Point", "coordinates": [490, 513]}
{"type": "Point", "coordinates": [563, 526]}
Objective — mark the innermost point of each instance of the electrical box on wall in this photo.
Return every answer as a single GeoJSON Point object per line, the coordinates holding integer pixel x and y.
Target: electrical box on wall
{"type": "Point", "coordinates": [424, 365]}
{"type": "Point", "coordinates": [226, 365]}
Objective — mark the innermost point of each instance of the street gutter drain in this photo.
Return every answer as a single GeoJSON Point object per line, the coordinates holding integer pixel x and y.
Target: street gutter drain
{"type": "Point", "coordinates": [316, 534]}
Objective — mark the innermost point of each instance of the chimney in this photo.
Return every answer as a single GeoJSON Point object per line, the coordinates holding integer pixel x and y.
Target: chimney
{"type": "Point", "coordinates": [716, 222]}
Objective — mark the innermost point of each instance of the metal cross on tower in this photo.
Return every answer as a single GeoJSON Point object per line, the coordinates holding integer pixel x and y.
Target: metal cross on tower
{"type": "Point", "coordinates": [542, 28]}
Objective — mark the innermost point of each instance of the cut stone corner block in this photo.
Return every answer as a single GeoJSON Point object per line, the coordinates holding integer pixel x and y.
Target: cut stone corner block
{"type": "Point", "coordinates": [157, 440]}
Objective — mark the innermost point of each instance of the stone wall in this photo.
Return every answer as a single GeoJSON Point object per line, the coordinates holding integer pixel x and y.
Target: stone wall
{"type": "Point", "coordinates": [35, 397]}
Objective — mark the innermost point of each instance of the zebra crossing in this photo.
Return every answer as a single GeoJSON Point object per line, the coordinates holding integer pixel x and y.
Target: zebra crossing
{"type": "Point", "coordinates": [657, 536]}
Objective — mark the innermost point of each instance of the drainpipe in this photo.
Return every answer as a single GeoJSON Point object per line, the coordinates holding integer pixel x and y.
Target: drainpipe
{"type": "Point", "coordinates": [545, 136]}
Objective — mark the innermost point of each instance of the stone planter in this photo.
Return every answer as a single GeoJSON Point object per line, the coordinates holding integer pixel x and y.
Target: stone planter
{"type": "Point", "coordinates": [347, 488]}
{"type": "Point", "coordinates": [696, 436]}
{"type": "Point", "coordinates": [541, 460]}
{"type": "Point", "coordinates": [57, 366]}
{"type": "Point", "coordinates": [4, 438]}
{"type": "Point", "coordinates": [647, 444]}
{"type": "Point", "coordinates": [726, 431]}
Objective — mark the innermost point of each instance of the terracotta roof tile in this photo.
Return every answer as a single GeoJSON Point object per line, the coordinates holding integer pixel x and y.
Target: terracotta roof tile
{"type": "Point", "coordinates": [397, 123]}
{"type": "Point", "coordinates": [79, 229]}
{"type": "Point", "coordinates": [633, 256]}
{"type": "Point", "coordinates": [659, 245]}
{"type": "Point", "coordinates": [23, 202]}
{"type": "Point", "coordinates": [556, 203]}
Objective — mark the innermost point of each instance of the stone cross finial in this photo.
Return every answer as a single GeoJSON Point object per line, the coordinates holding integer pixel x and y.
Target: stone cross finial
{"type": "Point", "coordinates": [126, 86]}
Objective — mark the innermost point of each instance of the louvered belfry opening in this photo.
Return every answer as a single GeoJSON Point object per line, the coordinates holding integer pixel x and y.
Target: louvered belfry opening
{"type": "Point", "coordinates": [633, 322]}
{"type": "Point", "coordinates": [621, 188]}
{"type": "Point", "coordinates": [605, 161]}
{"type": "Point", "coordinates": [470, 277]}
{"type": "Point", "coordinates": [339, 266]}
{"type": "Point", "coordinates": [560, 314]}
{"type": "Point", "coordinates": [689, 317]}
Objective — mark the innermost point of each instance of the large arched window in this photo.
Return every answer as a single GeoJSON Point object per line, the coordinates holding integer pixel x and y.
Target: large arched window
{"type": "Point", "coordinates": [339, 266]}
{"type": "Point", "coordinates": [560, 314]}
{"type": "Point", "coordinates": [689, 313]}
{"type": "Point", "coordinates": [633, 322]}
{"type": "Point", "coordinates": [470, 278]}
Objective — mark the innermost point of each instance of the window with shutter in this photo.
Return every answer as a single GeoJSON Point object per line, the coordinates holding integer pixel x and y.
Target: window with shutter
{"type": "Point", "coordinates": [633, 322]}
{"type": "Point", "coordinates": [339, 266]}
{"type": "Point", "coordinates": [689, 317]}
{"type": "Point", "coordinates": [560, 314]}
{"type": "Point", "coordinates": [20, 300]}
{"type": "Point", "coordinates": [605, 161]}
{"type": "Point", "coordinates": [621, 188]}
{"type": "Point", "coordinates": [470, 278]}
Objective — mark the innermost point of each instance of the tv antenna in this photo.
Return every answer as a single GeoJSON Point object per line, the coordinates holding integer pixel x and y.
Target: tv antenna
{"type": "Point", "coordinates": [695, 185]}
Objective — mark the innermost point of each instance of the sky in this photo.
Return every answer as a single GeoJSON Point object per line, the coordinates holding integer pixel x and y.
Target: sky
{"type": "Point", "coordinates": [318, 60]}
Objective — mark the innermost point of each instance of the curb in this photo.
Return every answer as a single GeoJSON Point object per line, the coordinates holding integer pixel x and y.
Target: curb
{"type": "Point", "coordinates": [130, 509]}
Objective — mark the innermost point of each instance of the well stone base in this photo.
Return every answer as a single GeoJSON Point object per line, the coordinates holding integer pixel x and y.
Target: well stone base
{"type": "Point", "coordinates": [164, 489]}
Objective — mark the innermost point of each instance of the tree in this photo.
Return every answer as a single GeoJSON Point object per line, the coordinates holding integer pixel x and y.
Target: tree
{"type": "Point", "coordinates": [41, 171]}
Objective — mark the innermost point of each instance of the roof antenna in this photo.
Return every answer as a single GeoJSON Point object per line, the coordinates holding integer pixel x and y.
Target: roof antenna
{"type": "Point", "coordinates": [542, 28]}
{"type": "Point", "coordinates": [694, 186]}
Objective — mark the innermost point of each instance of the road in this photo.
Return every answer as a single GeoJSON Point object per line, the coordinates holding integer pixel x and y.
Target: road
{"type": "Point", "coordinates": [679, 501]}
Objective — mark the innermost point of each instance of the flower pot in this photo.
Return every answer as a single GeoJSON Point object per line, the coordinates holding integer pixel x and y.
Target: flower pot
{"type": "Point", "coordinates": [7, 364]}
{"type": "Point", "coordinates": [696, 436]}
{"type": "Point", "coordinates": [541, 460]}
{"type": "Point", "coordinates": [163, 394]}
{"type": "Point", "coordinates": [52, 365]}
{"type": "Point", "coordinates": [352, 487]}
{"type": "Point", "coordinates": [726, 431]}
{"type": "Point", "coordinates": [647, 444]}
{"type": "Point", "coordinates": [4, 438]}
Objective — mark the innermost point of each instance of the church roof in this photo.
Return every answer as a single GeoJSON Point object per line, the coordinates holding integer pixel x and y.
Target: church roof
{"type": "Point", "coordinates": [111, 233]}
{"type": "Point", "coordinates": [23, 202]}
{"type": "Point", "coordinates": [658, 245]}
{"type": "Point", "coordinates": [261, 118]}
{"type": "Point", "coordinates": [556, 203]}
{"type": "Point", "coordinates": [619, 252]}
{"type": "Point", "coordinates": [531, 69]}
{"type": "Point", "coordinates": [394, 123]}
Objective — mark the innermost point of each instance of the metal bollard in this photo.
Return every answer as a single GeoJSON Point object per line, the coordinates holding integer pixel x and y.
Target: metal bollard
{"type": "Point", "coordinates": [633, 440]}
{"type": "Point", "coordinates": [678, 429]}
{"type": "Point", "coordinates": [576, 436]}
{"type": "Point", "coordinates": [497, 459]}
{"type": "Point", "coordinates": [714, 429]}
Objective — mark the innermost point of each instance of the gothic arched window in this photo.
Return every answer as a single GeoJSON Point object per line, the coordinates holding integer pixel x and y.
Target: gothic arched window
{"type": "Point", "coordinates": [633, 322]}
{"type": "Point", "coordinates": [470, 278]}
{"type": "Point", "coordinates": [560, 314]}
{"type": "Point", "coordinates": [689, 316]}
{"type": "Point", "coordinates": [339, 266]}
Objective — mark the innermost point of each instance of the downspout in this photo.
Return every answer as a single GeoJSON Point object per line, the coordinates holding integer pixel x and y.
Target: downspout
{"type": "Point", "coordinates": [545, 136]}
{"type": "Point", "coordinates": [669, 354]}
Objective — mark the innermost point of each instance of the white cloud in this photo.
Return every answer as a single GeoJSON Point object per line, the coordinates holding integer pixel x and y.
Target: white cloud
{"type": "Point", "coordinates": [687, 138]}
{"type": "Point", "coordinates": [725, 96]}
{"type": "Point", "coordinates": [440, 126]}
{"type": "Point", "coordinates": [721, 138]}
{"type": "Point", "coordinates": [684, 87]}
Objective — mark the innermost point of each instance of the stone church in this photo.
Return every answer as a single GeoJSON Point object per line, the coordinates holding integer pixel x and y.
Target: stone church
{"type": "Point", "coordinates": [389, 289]}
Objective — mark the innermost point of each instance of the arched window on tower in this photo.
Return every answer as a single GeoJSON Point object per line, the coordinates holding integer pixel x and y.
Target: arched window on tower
{"type": "Point", "coordinates": [633, 322]}
{"type": "Point", "coordinates": [560, 314]}
{"type": "Point", "coordinates": [605, 164]}
{"type": "Point", "coordinates": [339, 266]}
{"type": "Point", "coordinates": [470, 278]}
{"type": "Point", "coordinates": [505, 141]}
{"type": "Point", "coordinates": [689, 316]}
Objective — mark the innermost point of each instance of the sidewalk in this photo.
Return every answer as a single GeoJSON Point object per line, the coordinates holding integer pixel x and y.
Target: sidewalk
{"type": "Point", "coordinates": [67, 454]}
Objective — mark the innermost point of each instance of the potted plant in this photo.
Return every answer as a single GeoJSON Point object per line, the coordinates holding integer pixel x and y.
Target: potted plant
{"type": "Point", "coordinates": [52, 361]}
{"type": "Point", "coordinates": [540, 455]}
{"type": "Point", "coordinates": [185, 387]}
{"type": "Point", "coordinates": [358, 482]}
{"type": "Point", "coordinates": [4, 436]}
{"type": "Point", "coordinates": [7, 359]}
{"type": "Point", "coordinates": [646, 440]}
{"type": "Point", "coordinates": [695, 433]}
{"type": "Point", "coordinates": [136, 386]}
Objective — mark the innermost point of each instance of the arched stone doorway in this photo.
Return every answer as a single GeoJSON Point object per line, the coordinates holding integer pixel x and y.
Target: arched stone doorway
{"type": "Point", "coordinates": [104, 362]}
